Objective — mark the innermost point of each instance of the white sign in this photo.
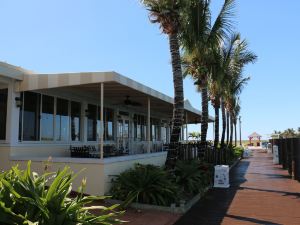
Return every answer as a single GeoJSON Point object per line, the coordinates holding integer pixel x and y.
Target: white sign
{"type": "Point", "coordinates": [221, 179]}
{"type": "Point", "coordinates": [275, 155]}
{"type": "Point", "coordinates": [247, 153]}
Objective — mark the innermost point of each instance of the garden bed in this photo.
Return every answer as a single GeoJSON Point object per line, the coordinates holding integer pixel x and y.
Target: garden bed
{"type": "Point", "coordinates": [181, 209]}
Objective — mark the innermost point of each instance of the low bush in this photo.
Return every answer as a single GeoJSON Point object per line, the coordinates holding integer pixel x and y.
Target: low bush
{"type": "Point", "coordinates": [25, 199]}
{"type": "Point", "coordinates": [238, 151]}
{"type": "Point", "coordinates": [147, 184]}
{"type": "Point", "coordinates": [193, 176]}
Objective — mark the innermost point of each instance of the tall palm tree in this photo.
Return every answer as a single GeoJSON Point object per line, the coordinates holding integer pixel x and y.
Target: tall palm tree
{"type": "Point", "coordinates": [200, 37]}
{"type": "Point", "coordinates": [239, 57]}
{"type": "Point", "coordinates": [225, 57]}
{"type": "Point", "coordinates": [167, 13]}
{"type": "Point", "coordinates": [236, 112]}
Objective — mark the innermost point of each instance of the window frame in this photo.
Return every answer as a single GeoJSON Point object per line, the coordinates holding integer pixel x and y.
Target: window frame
{"type": "Point", "coordinates": [39, 141]}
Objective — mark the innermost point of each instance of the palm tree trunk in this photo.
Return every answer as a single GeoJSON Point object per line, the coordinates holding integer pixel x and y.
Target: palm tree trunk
{"type": "Point", "coordinates": [223, 123]}
{"type": "Point", "coordinates": [217, 124]}
{"type": "Point", "coordinates": [231, 130]}
{"type": "Point", "coordinates": [178, 106]}
{"type": "Point", "coordinates": [235, 133]}
{"type": "Point", "coordinates": [227, 128]}
{"type": "Point", "coordinates": [204, 121]}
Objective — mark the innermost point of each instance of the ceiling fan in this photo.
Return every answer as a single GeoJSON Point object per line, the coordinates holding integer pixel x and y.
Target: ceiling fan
{"type": "Point", "coordinates": [129, 102]}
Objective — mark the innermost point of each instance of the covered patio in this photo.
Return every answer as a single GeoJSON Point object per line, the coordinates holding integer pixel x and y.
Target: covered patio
{"type": "Point", "coordinates": [118, 116]}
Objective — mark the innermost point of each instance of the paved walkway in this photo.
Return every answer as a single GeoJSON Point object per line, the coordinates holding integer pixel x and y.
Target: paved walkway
{"type": "Point", "coordinates": [260, 193]}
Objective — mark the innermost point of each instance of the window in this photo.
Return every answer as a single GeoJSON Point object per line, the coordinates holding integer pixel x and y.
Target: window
{"type": "Point", "coordinates": [31, 116]}
{"type": "Point", "coordinates": [75, 121]}
{"type": "Point", "coordinates": [62, 122]}
{"type": "Point", "coordinates": [92, 123]}
{"type": "Point", "coordinates": [47, 118]}
{"type": "Point", "coordinates": [108, 124]}
{"type": "Point", "coordinates": [140, 128]}
{"type": "Point", "coordinates": [155, 130]}
{"type": "Point", "coordinates": [3, 113]}
{"type": "Point", "coordinates": [164, 134]}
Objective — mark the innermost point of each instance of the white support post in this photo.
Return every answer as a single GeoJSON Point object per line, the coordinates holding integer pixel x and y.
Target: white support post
{"type": "Point", "coordinates": [101, 120]}
{"type": "Point", "coordinates": [148, 127]}
{"type": "Point", "coordinates": [12, 119]}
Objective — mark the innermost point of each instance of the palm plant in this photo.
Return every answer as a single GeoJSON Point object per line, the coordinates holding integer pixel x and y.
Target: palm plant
{"type": "Point", "coordinates": [167, 13]}
{"type": "Point", "coordinates": [27, 198]}
{"type": "Point", "coordinates": [200, 37]}
{"type": "Point", "coordinates": [238, 56]}
{"type": "Point", "coordinates": [147, 184]}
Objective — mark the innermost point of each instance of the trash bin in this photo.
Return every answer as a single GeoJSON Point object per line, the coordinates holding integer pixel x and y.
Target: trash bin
{"type": "Point", "coordinates": [275, 154]}
{"type": "Point", "coordinates": [296, 158]}
{"type": "Point", "coordinates": [221, 179]}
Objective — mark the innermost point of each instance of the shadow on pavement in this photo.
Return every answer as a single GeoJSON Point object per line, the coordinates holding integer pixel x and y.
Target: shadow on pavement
{"type": "Point", "coordinates": [252, 220]}
{"type": "Point", "coordinates": [284, 193]}
{"type": "Point", "coordinates": [212, 208]}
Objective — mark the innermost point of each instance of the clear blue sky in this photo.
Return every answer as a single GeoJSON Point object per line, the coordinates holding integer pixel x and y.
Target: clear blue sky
{"type": "Point", "coordinates": [93, 35]}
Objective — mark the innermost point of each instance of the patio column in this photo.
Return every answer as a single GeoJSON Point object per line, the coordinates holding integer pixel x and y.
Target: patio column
{"type": "Point", "coordinates": [148, 128]}
{"type": "Point", "coordinates": [101, 120]}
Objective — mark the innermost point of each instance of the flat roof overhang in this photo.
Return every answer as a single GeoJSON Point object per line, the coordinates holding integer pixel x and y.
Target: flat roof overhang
{"type": "Point", "coordinates": [13, 72]}
{"type": "Point", "coordinates": [116, 90]}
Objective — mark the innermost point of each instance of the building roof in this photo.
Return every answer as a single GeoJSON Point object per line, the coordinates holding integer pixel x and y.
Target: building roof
{"type": "Point", "coordinates": [11, 71]}
{"type": "Point", "coordinates": [254, 135]}
{"type": "Point", "coordinates": [116, 86]}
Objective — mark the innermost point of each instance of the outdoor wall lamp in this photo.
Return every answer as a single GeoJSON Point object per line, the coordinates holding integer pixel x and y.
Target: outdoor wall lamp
{"type": "Point", "coordinates": [18, 102]}
{"type": "Point", "coordinates": [87, 113]}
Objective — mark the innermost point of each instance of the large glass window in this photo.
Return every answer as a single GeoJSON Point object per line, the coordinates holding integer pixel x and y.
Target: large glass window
{"type": "Point", "coordinates": [75, 121]}
{"type": "Point", "coordinates": [62, 122]}
{"type": "Point", "coordinates": [140, 128]}
{"type": "Point", "coordinates": [47, 118]}
{"type": "Point", "coordinates": [108, 124]}
{"type": "Point", "coordinates": [3, 113]}
{"type": "Point", "coordinates": [31, 116]}
{"type": "Point", "coordinates": [155, 130]}
{"type": "Point", "coordinates": [92, 123]}
{"type": "Point", "coordinates": [108, 117]}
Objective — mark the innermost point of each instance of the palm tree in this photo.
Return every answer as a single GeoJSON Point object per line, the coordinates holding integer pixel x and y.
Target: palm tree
{"type": "Point", "coordinates": [236, 112]}
{"type": "Point", "coordinates": [167, 13]}
{"type": "Point", "coordinates": [200, 37]}
{"type": "Point", "coordinates": [225, 57]}
{"type": "Point", "coordinates": [239, 56]}
{"type": "Point", "coordinates": [195, 135]}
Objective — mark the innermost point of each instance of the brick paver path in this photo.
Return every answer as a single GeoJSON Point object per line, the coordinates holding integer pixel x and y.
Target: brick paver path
{"type": "Point", "coordinates": [260, 193]}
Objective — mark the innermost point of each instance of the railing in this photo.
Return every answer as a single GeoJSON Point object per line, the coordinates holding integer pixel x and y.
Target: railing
{"type": "Point", "coordinates": [197, 150]}
{"type": "Point", "coordinates": [123, 147]}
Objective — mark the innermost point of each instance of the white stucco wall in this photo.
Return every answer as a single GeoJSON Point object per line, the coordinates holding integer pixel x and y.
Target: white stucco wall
{"type": "Point", "coordinates": [97, 172]}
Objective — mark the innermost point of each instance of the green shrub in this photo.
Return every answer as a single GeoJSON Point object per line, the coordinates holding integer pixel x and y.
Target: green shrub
{"type": "Point", "coordinates": [193, 176]}
{"type": "Point", "coordinates": [144, 184]}
{"type": "Point", "coordinates": [238, 151]}
{"type": "Point", "coordinates": [25, 199]}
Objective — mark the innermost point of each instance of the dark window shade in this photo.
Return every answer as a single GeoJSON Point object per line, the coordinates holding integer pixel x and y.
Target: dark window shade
{"type": "Point", "coordinates": [31, 117]}
{"type": "Point", "coordinates": [75, 121]}
{"type": "Point", "coordinates": [92, 123]}
{"type": "Point", "coordinates": [62, 122]}
{"type": "Point", "coordinates": [47, 118]}
{"type": "Point", "coordinates": [3, 113]}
